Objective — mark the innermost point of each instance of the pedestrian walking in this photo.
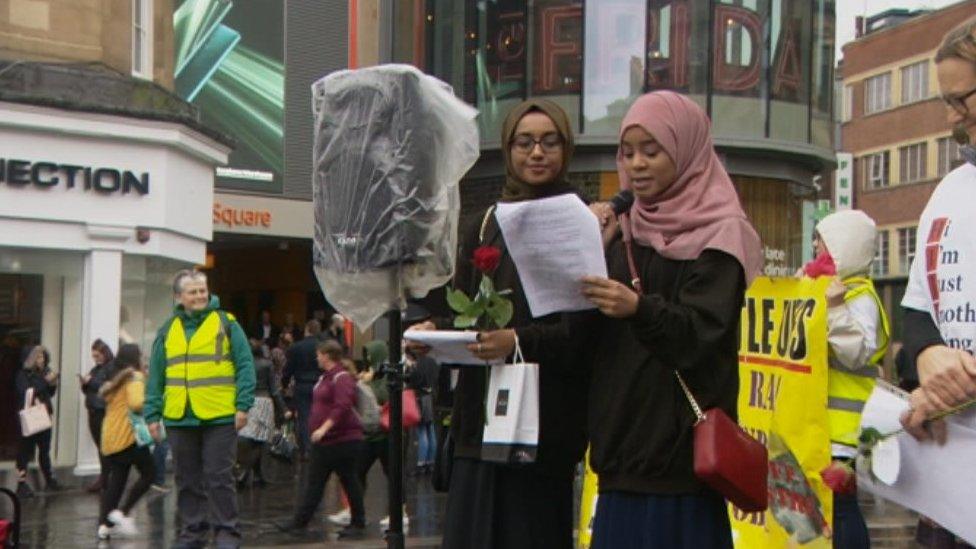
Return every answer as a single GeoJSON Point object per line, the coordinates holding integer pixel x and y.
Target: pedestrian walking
{"type": "Point", "coordinates": [36, 383]}
{"type": "Point", "coordinates": [124, 396]}
{"type": "Point", "coordinates": [337, 440]}
{"type": "Point", "coordinates": [90, 383]}
{"type": "Point", "coordinates": [201, 386]}
{"type": "Point", "coordinates": [261, 420]}
{"type": "Point", "coordinates": [501, 506]}
{"type": "Point", "coordinates": [301, 367]}
{"type": "Point", "coordinates": [671, 304]}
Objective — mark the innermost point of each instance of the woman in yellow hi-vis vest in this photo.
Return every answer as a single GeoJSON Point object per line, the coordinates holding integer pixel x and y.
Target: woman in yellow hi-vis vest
{"type": "Point", "coordinates": [857, 337]}
{"type": "Point", "coordinates": [201, 385]}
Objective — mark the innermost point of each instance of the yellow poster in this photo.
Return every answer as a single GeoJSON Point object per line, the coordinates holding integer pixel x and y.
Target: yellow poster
{"type": "Point", "coordinates": [588, 501]}
{"type": "Point", "coordinates": [783, 404]}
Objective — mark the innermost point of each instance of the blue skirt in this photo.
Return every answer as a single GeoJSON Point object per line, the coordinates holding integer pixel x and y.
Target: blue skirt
{"type": "Point", "coordinates": [641, 521]}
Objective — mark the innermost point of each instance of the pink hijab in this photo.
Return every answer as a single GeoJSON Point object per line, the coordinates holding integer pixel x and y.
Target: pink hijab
{"type": "Point", "coordinates": [701, 209]}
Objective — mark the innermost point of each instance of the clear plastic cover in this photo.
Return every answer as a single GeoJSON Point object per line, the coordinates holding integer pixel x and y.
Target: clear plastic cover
{"type": "Point", "coordinates": [391, 145]}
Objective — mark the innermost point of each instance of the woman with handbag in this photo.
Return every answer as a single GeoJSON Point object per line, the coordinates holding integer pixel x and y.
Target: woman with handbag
{"type": "Point", "coordinates": [35, 384]}
{"type": "Point", "coordinates": [125, 443]}
{"type": "Point", "coordinates": [512, 506]}
{"type": "Point", "coordinates": [670, 306]}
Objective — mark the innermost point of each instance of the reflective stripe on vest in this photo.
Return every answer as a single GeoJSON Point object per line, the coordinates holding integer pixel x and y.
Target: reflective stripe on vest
{"type": "Point", "coordinates": [199, 372]}
{"type": "Point", "coordinates": [849, 390]}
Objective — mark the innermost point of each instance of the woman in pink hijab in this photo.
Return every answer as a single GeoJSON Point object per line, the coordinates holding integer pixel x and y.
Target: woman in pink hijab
{"type": "Point", "coordinates": [678, 275]}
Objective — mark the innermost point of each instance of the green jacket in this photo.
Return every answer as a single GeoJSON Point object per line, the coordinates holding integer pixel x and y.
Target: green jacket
{"type": "Point", "coordinates": [241, 355]}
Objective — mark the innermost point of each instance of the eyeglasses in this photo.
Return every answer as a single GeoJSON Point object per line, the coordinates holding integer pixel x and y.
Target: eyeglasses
{"type": "Point", "coordinates": [549, 143]}
{"type": "Point", "coordinates": [958, 102]}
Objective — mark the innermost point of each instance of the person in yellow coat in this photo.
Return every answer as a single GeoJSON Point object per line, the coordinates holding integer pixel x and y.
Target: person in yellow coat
{"type": "Point", "coordinates": [857, 338]}
{"type": "Point", "coordinates": [201, 385]}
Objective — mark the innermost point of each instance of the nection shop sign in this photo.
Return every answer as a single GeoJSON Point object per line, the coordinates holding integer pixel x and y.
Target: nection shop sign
{"type": "Point", "coordinates": [19, 173]}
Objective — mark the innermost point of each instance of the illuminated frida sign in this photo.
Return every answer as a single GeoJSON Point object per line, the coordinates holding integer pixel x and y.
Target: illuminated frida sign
{"type": "Point", "coordinates": [671, 39]}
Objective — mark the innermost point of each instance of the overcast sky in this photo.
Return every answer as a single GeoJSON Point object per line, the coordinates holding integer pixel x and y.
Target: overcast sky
{"type": "Point", "coordinates": [847, 10]}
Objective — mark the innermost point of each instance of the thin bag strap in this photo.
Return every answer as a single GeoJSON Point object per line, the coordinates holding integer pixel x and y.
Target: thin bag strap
{"type": "Point", "coordinates": [636, 281]}
{"type": "Point", "coordinates": [484, 224]}
{"type": "Point", "coordinates": [28, 398]}
{"type": "Point", "coordinates": [518, 357]}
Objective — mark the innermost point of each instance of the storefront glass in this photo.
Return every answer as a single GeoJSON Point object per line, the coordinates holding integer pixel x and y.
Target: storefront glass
{"type": "Point", "coordinates": [147, 298]}
{"type": "Point", "coordinates": [40, 303]}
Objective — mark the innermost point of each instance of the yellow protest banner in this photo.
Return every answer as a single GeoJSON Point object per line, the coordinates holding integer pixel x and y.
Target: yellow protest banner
{"type": "Point", "coordinates": [588, 501]}
{"type": "Point", "coordinates": [783, 404]}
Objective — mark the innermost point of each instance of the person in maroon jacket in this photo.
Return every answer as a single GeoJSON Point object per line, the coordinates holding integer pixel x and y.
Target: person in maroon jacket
{"type": "Point", "coordinates": [337, 439]}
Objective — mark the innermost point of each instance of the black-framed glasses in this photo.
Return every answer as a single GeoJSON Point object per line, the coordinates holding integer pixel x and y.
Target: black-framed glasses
{"type": "Point", "coordinates": [958, 102]}
{"type": "Point", "coordinates": [550, 143]}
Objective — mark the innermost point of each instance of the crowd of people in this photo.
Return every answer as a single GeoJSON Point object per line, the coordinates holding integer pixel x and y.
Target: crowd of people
{"type": "Point", "coordinates": [665, 321]}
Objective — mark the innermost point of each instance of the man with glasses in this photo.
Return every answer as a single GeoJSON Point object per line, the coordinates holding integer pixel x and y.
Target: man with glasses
{"type": "Point", "coordinates": [201, 385]}
{"type": "Point", "coordinates": [940, 323]}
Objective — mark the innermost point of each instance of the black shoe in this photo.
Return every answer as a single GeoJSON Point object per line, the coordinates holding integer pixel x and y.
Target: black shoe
{"type": "Point", "coordinates": [352, 532]}
{"type": "Point", "coordinates": [292, 525]}
{"type": "Point", "coordinates": [52, 485]}
{"type": "Point", "coordinates": [24, 490]}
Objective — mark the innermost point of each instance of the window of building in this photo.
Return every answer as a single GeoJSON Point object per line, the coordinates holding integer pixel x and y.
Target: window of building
{"type": "Point", "coordinates": [877, 93]}
{"type": "Point", "coordinates": [142, 14]}
{"type": "Point", "coordinates": [906, 248]}
{"type": "Point", "coordinates": [876, 168]}
{"type": "Point", "coordinates": [880, 265]}
{"type": "Point", "coordinates": [848, 107]}
{"type": "Point", "coordinates": [948, 155]}
{"type": "Point", "coordinates": [915, 82]}
{"type": "Point", "coordinates": [912, 160]}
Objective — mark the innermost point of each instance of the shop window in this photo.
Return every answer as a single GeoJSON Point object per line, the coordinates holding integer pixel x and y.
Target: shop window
{"type": "Point", "coordinates": [877, 93]}
{"type": "Point", "coordinates": [142, 47]}
{"type": "Point", "coordinates": [880, 265]}
{"type": "Point", "coordinates": [876, 170]}
{"type": "Point", "coordinates": [906, 249]}
{"type": "Point", "coordinates": [557, 56]}
{"type": "Point", "coordinates": [915, 82]}
{"type": "Point", "coordinates": [912, 161]}
{"type": "Point", "coordinates": [948, 155]}
{"type": "Point", "coordinates": [615, 43]}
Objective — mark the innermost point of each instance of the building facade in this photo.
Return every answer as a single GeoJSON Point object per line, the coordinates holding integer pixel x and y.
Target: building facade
{"type": "Point", "coordinates": [762, 69]}
{"type": "Point", "coordinates": [106, 189]}
{"type": "Point", "coordinates": [894, 126]}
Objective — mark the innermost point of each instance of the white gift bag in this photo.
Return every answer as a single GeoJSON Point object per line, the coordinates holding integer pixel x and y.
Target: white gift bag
{"type": "Point", "coordinates": [34, 417]}
{"type": "Point", "coordinates": [512, 412]}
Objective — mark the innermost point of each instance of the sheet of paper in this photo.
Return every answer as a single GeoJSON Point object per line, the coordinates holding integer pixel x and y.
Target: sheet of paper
{"type": "Point", "coordinates": [447, 346]}
{"type": "Point", "coordinates": [934, 480]}
{"type": "Point", "coordinates": [554, 242]}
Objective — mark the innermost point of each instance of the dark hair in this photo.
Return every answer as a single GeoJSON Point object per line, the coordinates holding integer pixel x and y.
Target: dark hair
{"type": "Point", "coordinates": [330, 348]}
{"type": "Point", "coordinates": [103, 349]}
{"type": "Point", "coordinates": [313, 327]}
{"type": "Point", "coordinates": [129, 356]}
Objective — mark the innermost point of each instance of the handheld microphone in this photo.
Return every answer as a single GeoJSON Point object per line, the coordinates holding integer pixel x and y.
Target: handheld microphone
{"type": "Point", "coordinates": [621, 202]}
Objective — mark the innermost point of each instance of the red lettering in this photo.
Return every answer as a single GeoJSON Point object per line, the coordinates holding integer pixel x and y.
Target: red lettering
{"type": "Point", "coordinates": [734, 77]}
{"type": "Point", "coordinates": [788, 78]}
{"type": "Point", "coordinates": [554, 50]}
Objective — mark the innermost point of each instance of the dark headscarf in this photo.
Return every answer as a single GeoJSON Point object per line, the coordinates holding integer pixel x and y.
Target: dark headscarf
{"type": "Point", "coordinates": [515, 189]}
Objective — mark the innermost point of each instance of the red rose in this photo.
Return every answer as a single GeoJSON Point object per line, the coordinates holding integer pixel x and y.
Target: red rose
{"type": "Point", "coordinates": [486, 258]}
{"type": "Point", "coordinates": [839, 477]}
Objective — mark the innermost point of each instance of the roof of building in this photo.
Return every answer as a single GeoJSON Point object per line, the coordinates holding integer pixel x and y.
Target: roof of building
{"type": "Point", "coordinates": [94, 87]}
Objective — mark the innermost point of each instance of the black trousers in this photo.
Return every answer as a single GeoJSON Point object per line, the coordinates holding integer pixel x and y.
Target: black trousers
{"type": "Point", "coordinates": [95, 419]}
{"type": "Point", "coordinates": [39, 443]}
{"type": "Point", "coordinates": [372, 451]}
{"type": "Point", "coordinates": [119, 464]}
{"type": "Point", "coordinates": [342, 459]}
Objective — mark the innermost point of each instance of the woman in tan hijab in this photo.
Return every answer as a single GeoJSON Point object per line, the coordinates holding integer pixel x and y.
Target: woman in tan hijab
{"type": "Point", "coordinates": [493, 505]}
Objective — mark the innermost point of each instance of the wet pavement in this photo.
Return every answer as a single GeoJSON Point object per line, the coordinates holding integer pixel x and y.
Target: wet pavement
{"type": "Point", "coordinates": [69, 518]}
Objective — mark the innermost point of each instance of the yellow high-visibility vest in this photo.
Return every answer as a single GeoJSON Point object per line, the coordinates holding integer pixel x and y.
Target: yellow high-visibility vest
{"type": "Point", "coordinates": [199, 372]}
{"type": "Point", "coordinates": [848, 391]}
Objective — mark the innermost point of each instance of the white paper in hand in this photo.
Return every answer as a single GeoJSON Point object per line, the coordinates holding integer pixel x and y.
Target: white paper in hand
{"type": "Point", "coordinates": [554, 243]}
{"type": "Point", "coordinates": [447, 346]}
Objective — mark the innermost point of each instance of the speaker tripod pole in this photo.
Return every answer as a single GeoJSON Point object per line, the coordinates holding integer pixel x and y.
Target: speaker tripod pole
{"type": "Point", "coordinates": [394, 373]}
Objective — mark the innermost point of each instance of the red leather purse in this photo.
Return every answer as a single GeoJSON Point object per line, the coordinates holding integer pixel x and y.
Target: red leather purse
{"type": "Point", "coordinates": [411, 412]}
{"type": "Point", "coordinates": [726, 458]}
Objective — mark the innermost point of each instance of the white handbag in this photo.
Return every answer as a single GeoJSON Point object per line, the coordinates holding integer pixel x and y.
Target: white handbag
{"type": "Point", "coordinates": [511, 432]}
{"type": "Point", "coordinates": [34, 417]}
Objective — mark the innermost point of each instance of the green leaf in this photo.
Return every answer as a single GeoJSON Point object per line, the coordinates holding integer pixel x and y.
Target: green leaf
{"type": "Point", "coordinates": [500, 311]}
{"type": "Point", "coordinates": [475, 308]}
{"type": "Point", "coordinates": [458, 301]}
{"type": "Point", "coordinates": [464, 321]}
{"type": "Point", "coordinates": [870, 436]}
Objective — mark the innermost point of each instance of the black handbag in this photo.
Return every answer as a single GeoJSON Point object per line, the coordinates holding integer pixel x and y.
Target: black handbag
{"type": "Point", "coordinates": [283, 444]}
